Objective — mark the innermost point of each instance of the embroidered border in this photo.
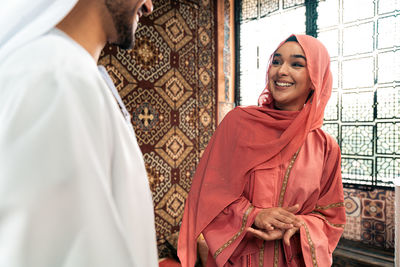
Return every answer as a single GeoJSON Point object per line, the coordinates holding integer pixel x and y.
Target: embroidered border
{"type": "Point", "coordinates": [281, 196]}
{"type": "Point", "coordinates": [326, 220]}
{"type": "Point", "coordinates": [334, 205]}
{"type": "Point", "coordinates": [261, 262]}
{"type": "Point", "coordinates": [286, 178]}
{"type": "Point", "coordinates": [311, 244]}
{"type": "Point", "coordinates": [276, 253]}
{"type": "Point", "coordinates": [230, 241]}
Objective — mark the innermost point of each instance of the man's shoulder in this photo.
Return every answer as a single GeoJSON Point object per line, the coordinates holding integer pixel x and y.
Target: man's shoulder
{"type": "Point", "coordinates": [49, 53]}
{"type": "Point", "coordinates": [48, 66]}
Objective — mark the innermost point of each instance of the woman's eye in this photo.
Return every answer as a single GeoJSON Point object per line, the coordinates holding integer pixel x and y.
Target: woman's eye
{"type": "Point", "coordinates": [275, 62]}
{"type": "Point", "coordinates": [297, 64]}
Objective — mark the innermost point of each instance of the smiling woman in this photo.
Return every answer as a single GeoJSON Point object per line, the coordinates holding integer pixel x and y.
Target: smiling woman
{"type": "Point", "coordinates": [268, 189]}
{"type": "Point", "coordinates": [289, 80]}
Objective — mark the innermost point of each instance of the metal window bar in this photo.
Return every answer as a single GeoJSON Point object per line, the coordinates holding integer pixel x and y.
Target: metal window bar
{"type": "Point", "coordinates": [363, 114]}
{"type": "Point", "coordinates": [368, 124]}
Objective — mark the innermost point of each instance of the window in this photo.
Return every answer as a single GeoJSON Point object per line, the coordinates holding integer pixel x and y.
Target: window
{"type": "Point", "coordinates": [258, 40]}
{"type": "Point", "coordinates": [363, 113]}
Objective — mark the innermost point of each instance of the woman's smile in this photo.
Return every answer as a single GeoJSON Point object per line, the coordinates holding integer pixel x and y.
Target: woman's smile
{"type": "Point", "coordinates": [289, 80]}
{"type": "Point", "coordinates": [284, 85]}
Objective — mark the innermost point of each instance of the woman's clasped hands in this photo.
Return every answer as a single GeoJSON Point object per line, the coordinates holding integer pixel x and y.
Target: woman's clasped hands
{"type": "Point", "coordinates": [276, 223]}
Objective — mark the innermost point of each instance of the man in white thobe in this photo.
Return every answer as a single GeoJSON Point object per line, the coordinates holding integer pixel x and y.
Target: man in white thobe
{"type": "Point", "coordinates": [73, 185]}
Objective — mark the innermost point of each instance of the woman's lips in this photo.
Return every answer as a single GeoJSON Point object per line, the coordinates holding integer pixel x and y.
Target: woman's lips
{"type": "Point", "coordinates": [283, 84]}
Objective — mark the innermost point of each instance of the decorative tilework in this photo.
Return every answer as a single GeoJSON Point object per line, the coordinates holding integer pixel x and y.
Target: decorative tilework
{"type": "Point", "coordinates": [374, 194]}
{"type": "Point", "coordinates": [170, 208]}
{"type": "Point", "coordinates": [167, 83]}
{"type": "Point", "coordinates": [352, 229]}
{"type": "Point", "coordinates": [350, 192]}
{"type": "Point", "coordinates": [390, 225]}
{"type": "Point", "coordinates": [373, 232]}
{"type": "Point", "coordinates": [373, 209]}
{"type": "Point", "coordinates": [372, 222]}
{"type": "Point", "coordinates": [353, 206]}
{"type": "Point", "coordinates": [159, 174]}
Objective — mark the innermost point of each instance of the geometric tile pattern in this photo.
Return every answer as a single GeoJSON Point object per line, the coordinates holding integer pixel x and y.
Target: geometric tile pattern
{"type": "Point", "coordinates": [174, 147]}
{"type": "Point", "coordinates": [370, 217]}
{"type": "Point", "coordinates": [174, 88]}
{"type": "Point", "coordinates": [373, 232]}
{"type": "Point", "coordinates": [171, 206]}
{"type": "Point", "coordinates": [174, 28]}
{"type": "Point", "coordinates": [390, 226]}
{"type": "Point", "coordinates": [353, 206]}
{"type": "Point", "coordinates": [168, 84]}
{"type": "Point", "coordinates": [373, 209]}
{"type": "Point", "coordinates": [352, 229]}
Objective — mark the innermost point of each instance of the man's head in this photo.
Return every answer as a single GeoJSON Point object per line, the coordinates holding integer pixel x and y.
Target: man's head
{"type": "Point", "coordinates": [122, 20]}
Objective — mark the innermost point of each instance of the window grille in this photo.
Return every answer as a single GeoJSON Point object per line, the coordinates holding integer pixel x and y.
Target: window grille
{"type": "Point", "coordinates": [292, 3]}
{"type": "Point", "coordinates": [258, 39]}
{"type": "Point", "coordinates": [363, 39]}
{"type": "Point", "coordinates": [255, 9]}
{"type": "Point", "coordinates": [363, 114]}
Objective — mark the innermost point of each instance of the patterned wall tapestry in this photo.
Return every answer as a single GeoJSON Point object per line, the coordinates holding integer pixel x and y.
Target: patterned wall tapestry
{"type": "Point", "coordinates": [370, 217]}
{"type": "Point", "coordinates": [167, 83]}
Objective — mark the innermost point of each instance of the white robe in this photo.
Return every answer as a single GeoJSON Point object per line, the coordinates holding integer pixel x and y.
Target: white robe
{"type": "Point", "coordinates": [73, 185]}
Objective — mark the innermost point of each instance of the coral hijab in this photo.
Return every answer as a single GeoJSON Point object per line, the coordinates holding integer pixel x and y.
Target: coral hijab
{"type": "Point", "coordinates": [246, 138]}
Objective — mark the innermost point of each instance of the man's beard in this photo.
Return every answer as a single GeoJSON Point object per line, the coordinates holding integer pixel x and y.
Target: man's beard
{"type": "Point", "coordinates": [121, 19]}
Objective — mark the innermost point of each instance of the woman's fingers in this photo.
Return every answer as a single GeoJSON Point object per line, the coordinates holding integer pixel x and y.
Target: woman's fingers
{"type": "Point", "coordinates": [286, 217]}
{"type": "Point", "coordinates": [277, 217]}
{"type": "Point", "coordinates": [266, 235]}
{"type": "Point", "coordinates": [292, 209]}
{"type": "Point", "coordinates": [288, 234]}
{"type": "Point", "coordinates": [269, 227]}
{"type": "Point", "coordinates": [281, 225]}
{"type": "Point", "coordinates": [285, 220]}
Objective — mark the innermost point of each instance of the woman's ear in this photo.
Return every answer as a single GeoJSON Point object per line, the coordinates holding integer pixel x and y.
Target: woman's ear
{"type": "Point", "coordinates": [310, 94]}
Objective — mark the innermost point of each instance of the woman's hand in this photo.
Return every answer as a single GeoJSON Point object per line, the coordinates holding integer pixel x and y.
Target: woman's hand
{"type": "Point", "coordinates": [281, 218]}
{"type": "Point", "coordinates": [266, 235]}
{"type": "Point", "coordinates": [288, 234]}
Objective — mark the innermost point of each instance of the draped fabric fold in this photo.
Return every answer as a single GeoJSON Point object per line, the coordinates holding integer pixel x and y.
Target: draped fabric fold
{"type": "Point", "coordinates": [73, 185]}
{"type": "Point", "coordinates": [255, 138]}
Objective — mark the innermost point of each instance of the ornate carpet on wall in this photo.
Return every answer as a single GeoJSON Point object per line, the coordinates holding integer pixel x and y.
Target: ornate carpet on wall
{"type": "Point", "coordinates": [167, 83]}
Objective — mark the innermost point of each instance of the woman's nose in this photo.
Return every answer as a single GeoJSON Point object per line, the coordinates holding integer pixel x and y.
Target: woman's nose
{"type": "Point", "coordinates": [283, 69]}
{"type": "Point", "coordinates": [147, 7]}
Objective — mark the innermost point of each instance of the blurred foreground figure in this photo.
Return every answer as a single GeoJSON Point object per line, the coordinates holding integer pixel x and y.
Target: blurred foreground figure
{"type": "Point", "coordinates": [73, 185]}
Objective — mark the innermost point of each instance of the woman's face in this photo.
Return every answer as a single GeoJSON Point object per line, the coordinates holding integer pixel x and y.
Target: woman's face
{"type": "Point", "coordinates": [289, 80]}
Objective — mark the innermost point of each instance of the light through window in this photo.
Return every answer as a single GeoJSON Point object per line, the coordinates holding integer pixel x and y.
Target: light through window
{"type": "Point", "coordinates": [260, 37]}
{"type": "Point", "coordinates": [363, 39]}
{"type": "Point", "coordinates": [363, 113]}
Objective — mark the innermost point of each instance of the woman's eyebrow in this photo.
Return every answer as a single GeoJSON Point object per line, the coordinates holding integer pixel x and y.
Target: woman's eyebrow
{"type": "Point", "coordinates": [299, 56]}
{"type": "Point", "coordinates": [295, 56]}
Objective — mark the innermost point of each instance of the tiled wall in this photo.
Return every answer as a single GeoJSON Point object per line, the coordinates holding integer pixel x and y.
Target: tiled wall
{"type": "Point", "coordinates": [370, 217]}
{"type": "Point", "coordinates": [168, 84]}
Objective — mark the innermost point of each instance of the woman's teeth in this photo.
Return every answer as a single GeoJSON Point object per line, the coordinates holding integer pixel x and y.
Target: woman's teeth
{"type": "Point", "coordinates": [283, 84]}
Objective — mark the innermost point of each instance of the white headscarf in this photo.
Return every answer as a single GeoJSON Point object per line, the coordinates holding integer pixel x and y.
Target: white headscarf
{"type": "Point", "coordinates": [113, 232]}
{"type": "Point", "coordinates": [23, 20]}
